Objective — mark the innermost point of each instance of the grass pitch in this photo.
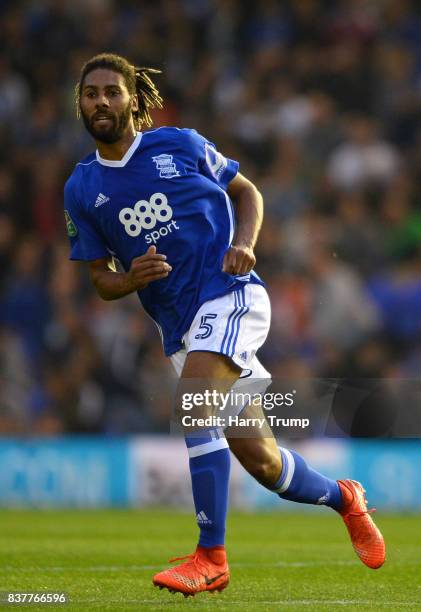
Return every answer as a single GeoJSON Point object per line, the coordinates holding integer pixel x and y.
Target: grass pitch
{"type": "Point", "coordinates": [104, 560]}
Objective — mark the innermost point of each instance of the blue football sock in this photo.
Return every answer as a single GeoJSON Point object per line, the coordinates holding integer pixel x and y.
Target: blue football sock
{"type": "Point", "coordinates": [210, 468]}
{"type": "Point", "coordinates": [300, 483]}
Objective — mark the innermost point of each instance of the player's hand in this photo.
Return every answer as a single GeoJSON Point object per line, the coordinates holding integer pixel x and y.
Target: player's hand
{"type": "Point", "coordinates": [151, 266]}
{"type": "Point", "coordinates": [239, 259]}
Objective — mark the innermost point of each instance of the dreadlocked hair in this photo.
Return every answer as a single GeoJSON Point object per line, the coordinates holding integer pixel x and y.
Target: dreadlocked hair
{"type": "Point", "coordinates": [138, 82]}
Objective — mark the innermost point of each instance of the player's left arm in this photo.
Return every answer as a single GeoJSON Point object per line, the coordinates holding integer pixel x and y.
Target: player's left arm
{"type": "Point", "coordinates": [248, 202]}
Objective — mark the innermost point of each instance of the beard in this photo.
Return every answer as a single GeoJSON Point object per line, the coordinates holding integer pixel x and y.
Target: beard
{"type": "Point", "coordinates": [111, 133]}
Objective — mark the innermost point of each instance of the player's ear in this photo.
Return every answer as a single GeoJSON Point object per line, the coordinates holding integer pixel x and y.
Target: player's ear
{"type": "Point", "coordinates": [135, 103]}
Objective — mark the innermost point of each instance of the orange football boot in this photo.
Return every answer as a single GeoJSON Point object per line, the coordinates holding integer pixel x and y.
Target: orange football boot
{"type": "Point", "coordinates": [206, 570]}
{"type": "Point", "coordinates": [366, 538]}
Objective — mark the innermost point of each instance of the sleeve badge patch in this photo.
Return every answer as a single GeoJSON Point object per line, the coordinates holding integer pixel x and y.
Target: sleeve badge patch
{"type": "Point", "coordinates": [71, 227]}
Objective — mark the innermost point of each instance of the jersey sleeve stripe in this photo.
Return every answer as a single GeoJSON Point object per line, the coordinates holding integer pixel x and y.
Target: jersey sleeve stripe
{"type": "Point", "coordinates": [230, 216]}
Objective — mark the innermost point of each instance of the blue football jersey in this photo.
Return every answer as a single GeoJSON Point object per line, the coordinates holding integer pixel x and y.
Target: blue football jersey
{"type": "Point", "coordinates": [169, 190]}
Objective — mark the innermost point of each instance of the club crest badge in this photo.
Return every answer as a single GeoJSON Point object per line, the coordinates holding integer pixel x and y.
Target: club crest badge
{"type": "Point", "coordinates": [166, 166]}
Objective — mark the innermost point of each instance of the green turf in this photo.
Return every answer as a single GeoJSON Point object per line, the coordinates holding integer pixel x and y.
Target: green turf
{"type": "Point", "coordinates": [104, 560]}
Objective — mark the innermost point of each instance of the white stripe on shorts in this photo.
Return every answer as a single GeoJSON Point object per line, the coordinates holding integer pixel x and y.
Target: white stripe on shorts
{"type": "Point", "coordinates": [233, 325]}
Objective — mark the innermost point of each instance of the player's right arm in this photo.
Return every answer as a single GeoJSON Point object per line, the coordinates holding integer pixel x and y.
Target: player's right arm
{"type": "Point", "coordinates": [145, 269]}
{"type": "Point", "coordinates": [87, 244]}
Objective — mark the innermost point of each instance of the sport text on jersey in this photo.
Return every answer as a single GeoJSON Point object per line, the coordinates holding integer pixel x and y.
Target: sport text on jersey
{"type": "Point", "coordinates": [144, 216]}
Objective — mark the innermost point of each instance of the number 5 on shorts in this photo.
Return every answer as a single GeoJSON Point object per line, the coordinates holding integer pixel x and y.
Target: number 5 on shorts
{"type": "Point", "coordinates": [206, 326]}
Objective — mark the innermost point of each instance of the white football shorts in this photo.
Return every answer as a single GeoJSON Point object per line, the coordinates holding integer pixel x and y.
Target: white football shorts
{"type": "Point", "coordinates": [235, 325]}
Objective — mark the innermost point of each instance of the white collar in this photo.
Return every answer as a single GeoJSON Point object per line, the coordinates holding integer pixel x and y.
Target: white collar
{"type": "Point", "coordinates": [120, 163]}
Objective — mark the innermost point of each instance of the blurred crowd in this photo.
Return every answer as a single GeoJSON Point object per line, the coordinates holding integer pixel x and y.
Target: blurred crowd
{"type": "Point", "coordinates": [320, 101]}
